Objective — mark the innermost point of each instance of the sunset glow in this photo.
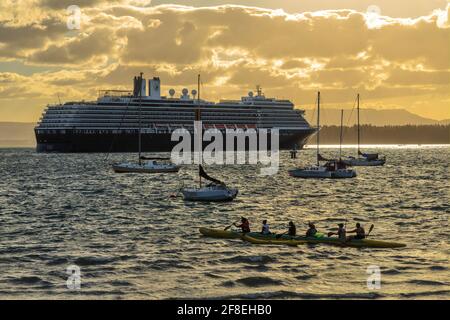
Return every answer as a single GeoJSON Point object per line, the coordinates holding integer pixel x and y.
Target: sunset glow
{"type": "Point", "coordinates": [393, 61]}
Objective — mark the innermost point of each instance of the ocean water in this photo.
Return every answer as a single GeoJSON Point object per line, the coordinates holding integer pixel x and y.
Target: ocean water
{"type": "Point", "coordinates": [131, 240]}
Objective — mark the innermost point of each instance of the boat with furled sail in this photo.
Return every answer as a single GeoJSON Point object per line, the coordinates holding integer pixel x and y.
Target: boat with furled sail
{"type": "Point", "coordinates": [150, 166]}
{"type": "Point", "coordinates": [215, 191]}
{"type": "Point", "coordinates": [363, 159]}
{"type": "Point", "coordinates": [333, 169]}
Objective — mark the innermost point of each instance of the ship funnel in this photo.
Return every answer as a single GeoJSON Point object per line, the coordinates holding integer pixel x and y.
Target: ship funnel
{"type": "Point", "coordinates": [135, 87]}
{"type": "Point", "coordinates": [139, 86]}
{"type": "Point", "coordinates": [154, 88]}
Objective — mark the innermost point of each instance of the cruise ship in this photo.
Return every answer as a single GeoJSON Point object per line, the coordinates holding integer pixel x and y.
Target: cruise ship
{"type": "Point", "coordinates": [114, 121]}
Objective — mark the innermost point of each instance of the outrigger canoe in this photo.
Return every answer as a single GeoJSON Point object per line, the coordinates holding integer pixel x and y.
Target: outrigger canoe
{"type": "Point", "coordinates": [271, 239]}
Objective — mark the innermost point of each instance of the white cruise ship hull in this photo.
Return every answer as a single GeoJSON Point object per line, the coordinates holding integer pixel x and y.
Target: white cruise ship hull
{"type": "Point", "coordinates": [89, 141]}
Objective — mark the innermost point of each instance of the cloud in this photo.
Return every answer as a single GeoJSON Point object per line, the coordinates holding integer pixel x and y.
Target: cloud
{"type": "Point", "coordinates": [234, 47]}
{"type": "Point", "coordinates": [81, 49]}
{"type": "Point", "coordinates": [63, 4]}
{"type": "Point", "coordinates": [18, 40]}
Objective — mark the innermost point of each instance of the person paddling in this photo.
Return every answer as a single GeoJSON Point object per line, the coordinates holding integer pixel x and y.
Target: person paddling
{"type": "Point", "coordinates": [292, 231]}
{"type": "Point", "coordinates": [265, 227]}
{"type": "Point", "coordinates": [360, 232]}
{"type": "Point", "coordinates": [341, 233]}
{"type": "Point", "coordinates": [245, 225]}
{"type": "Point", "coordinates": [311, 232]}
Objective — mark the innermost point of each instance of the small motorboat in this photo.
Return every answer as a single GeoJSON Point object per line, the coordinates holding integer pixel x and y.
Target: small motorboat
{"type": "Point", "coordinates": [151, 166]}
{"type": "Point", "coordinates": [215, 191]}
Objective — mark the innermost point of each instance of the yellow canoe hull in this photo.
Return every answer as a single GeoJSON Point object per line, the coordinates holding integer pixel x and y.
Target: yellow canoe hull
{"type": "Point", "coordinates": [325, 240]}
{"type": "Point", "coordinates": [222, 234]}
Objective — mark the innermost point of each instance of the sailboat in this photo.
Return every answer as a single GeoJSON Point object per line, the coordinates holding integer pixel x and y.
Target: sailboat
{"type": "Point", "coordinates": [214, 191]}
{"type": "Point", "coordinates": [364, 159]}
{"type": "Point", "coordinates": [331, 169]}
{"type": "Point", "coordinates": [152, 165]}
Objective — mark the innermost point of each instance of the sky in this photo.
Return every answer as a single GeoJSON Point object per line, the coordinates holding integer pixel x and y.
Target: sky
{"type": "Point", "coordinates": [396, 54]}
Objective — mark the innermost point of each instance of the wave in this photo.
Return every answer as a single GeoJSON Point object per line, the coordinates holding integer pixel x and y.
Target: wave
{"type": "Point", "coordinates": [250, 259]}
{"type": "Point", "coordinates": [305, 277]}
{"type": "Point", "coordinates": [282, 294]}
{"type": "Point", "coordinates": [441, 293]}
{"type": "Point", "coordinates": [438, 268]}
{"type": "Point", "coordinates": [92, 261]}
{"type": "Point", "coordinates": [259, 281]}
{"type": "Point", "coordinates": [427, 282]}
{"type": "Point", "coordinates": [31, 280]}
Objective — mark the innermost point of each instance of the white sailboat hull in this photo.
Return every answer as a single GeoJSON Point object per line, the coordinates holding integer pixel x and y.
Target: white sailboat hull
{"type": "Point", "coordinates": [343, 174]}
{"type": "Point", "coordinates": [363, 162]}
{"type": "Point", "coordinates": [145, 168]}
{"type": "Point", "coordinates": [312, 172]}
{"type": "Point", "coordinates": [209, 194]}
{"type": "Point", "coordinates": [322, 173]}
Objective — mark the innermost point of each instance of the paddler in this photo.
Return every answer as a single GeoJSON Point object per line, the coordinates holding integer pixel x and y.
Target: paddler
{"type": "Point", "coordinates": [292, 231]}
{"type": "Point", "coordinates": [245, 225]}
{"type": "Point", "coordinates": [360, 232]}
{"type": "Point", "coordinates": [311, 232]}
{"type": "Point", "coordinates": [341, 233]}
{"type": "Point", "coordinates": [265, 227]}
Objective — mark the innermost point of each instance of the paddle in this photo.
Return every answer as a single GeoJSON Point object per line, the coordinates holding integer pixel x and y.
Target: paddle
{"type": "Point", "coordinates": [176, 194]}
{"type": "Point", "coordinates": [226, 228]}
{"type": "Point", "coordinates": [278, 236]}
{"type": "Point", "coordinates": [370, 230]}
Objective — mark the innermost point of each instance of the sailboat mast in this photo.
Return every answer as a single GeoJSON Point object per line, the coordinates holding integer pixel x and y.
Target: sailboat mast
{"type": "Point", "coordinates": [198, 89]}
{"type": "Point", "coordinates": [318, 125]}
{"type": "Point", "coordinates": [198, 117]}
{"type": "Point", "coordinates": [140, 113]}
{"type": "Point", "coordinates": [359, 136]}
{"type": "Point", "coordinates": [340, 138]}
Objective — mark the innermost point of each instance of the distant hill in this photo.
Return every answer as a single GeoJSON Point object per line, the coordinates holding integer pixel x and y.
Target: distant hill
{"type": "Point", "coordinates": [385, 117]}
{"type": "Point", "coordinates": [17, 134]}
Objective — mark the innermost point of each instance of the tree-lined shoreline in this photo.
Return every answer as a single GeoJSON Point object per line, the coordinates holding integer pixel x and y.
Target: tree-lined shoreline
{"type": "Point", "coordinates": [407, 134]}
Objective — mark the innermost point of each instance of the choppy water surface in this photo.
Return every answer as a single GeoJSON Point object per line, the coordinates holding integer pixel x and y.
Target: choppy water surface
{"type": "Point", "coordinates": [132, 241]}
